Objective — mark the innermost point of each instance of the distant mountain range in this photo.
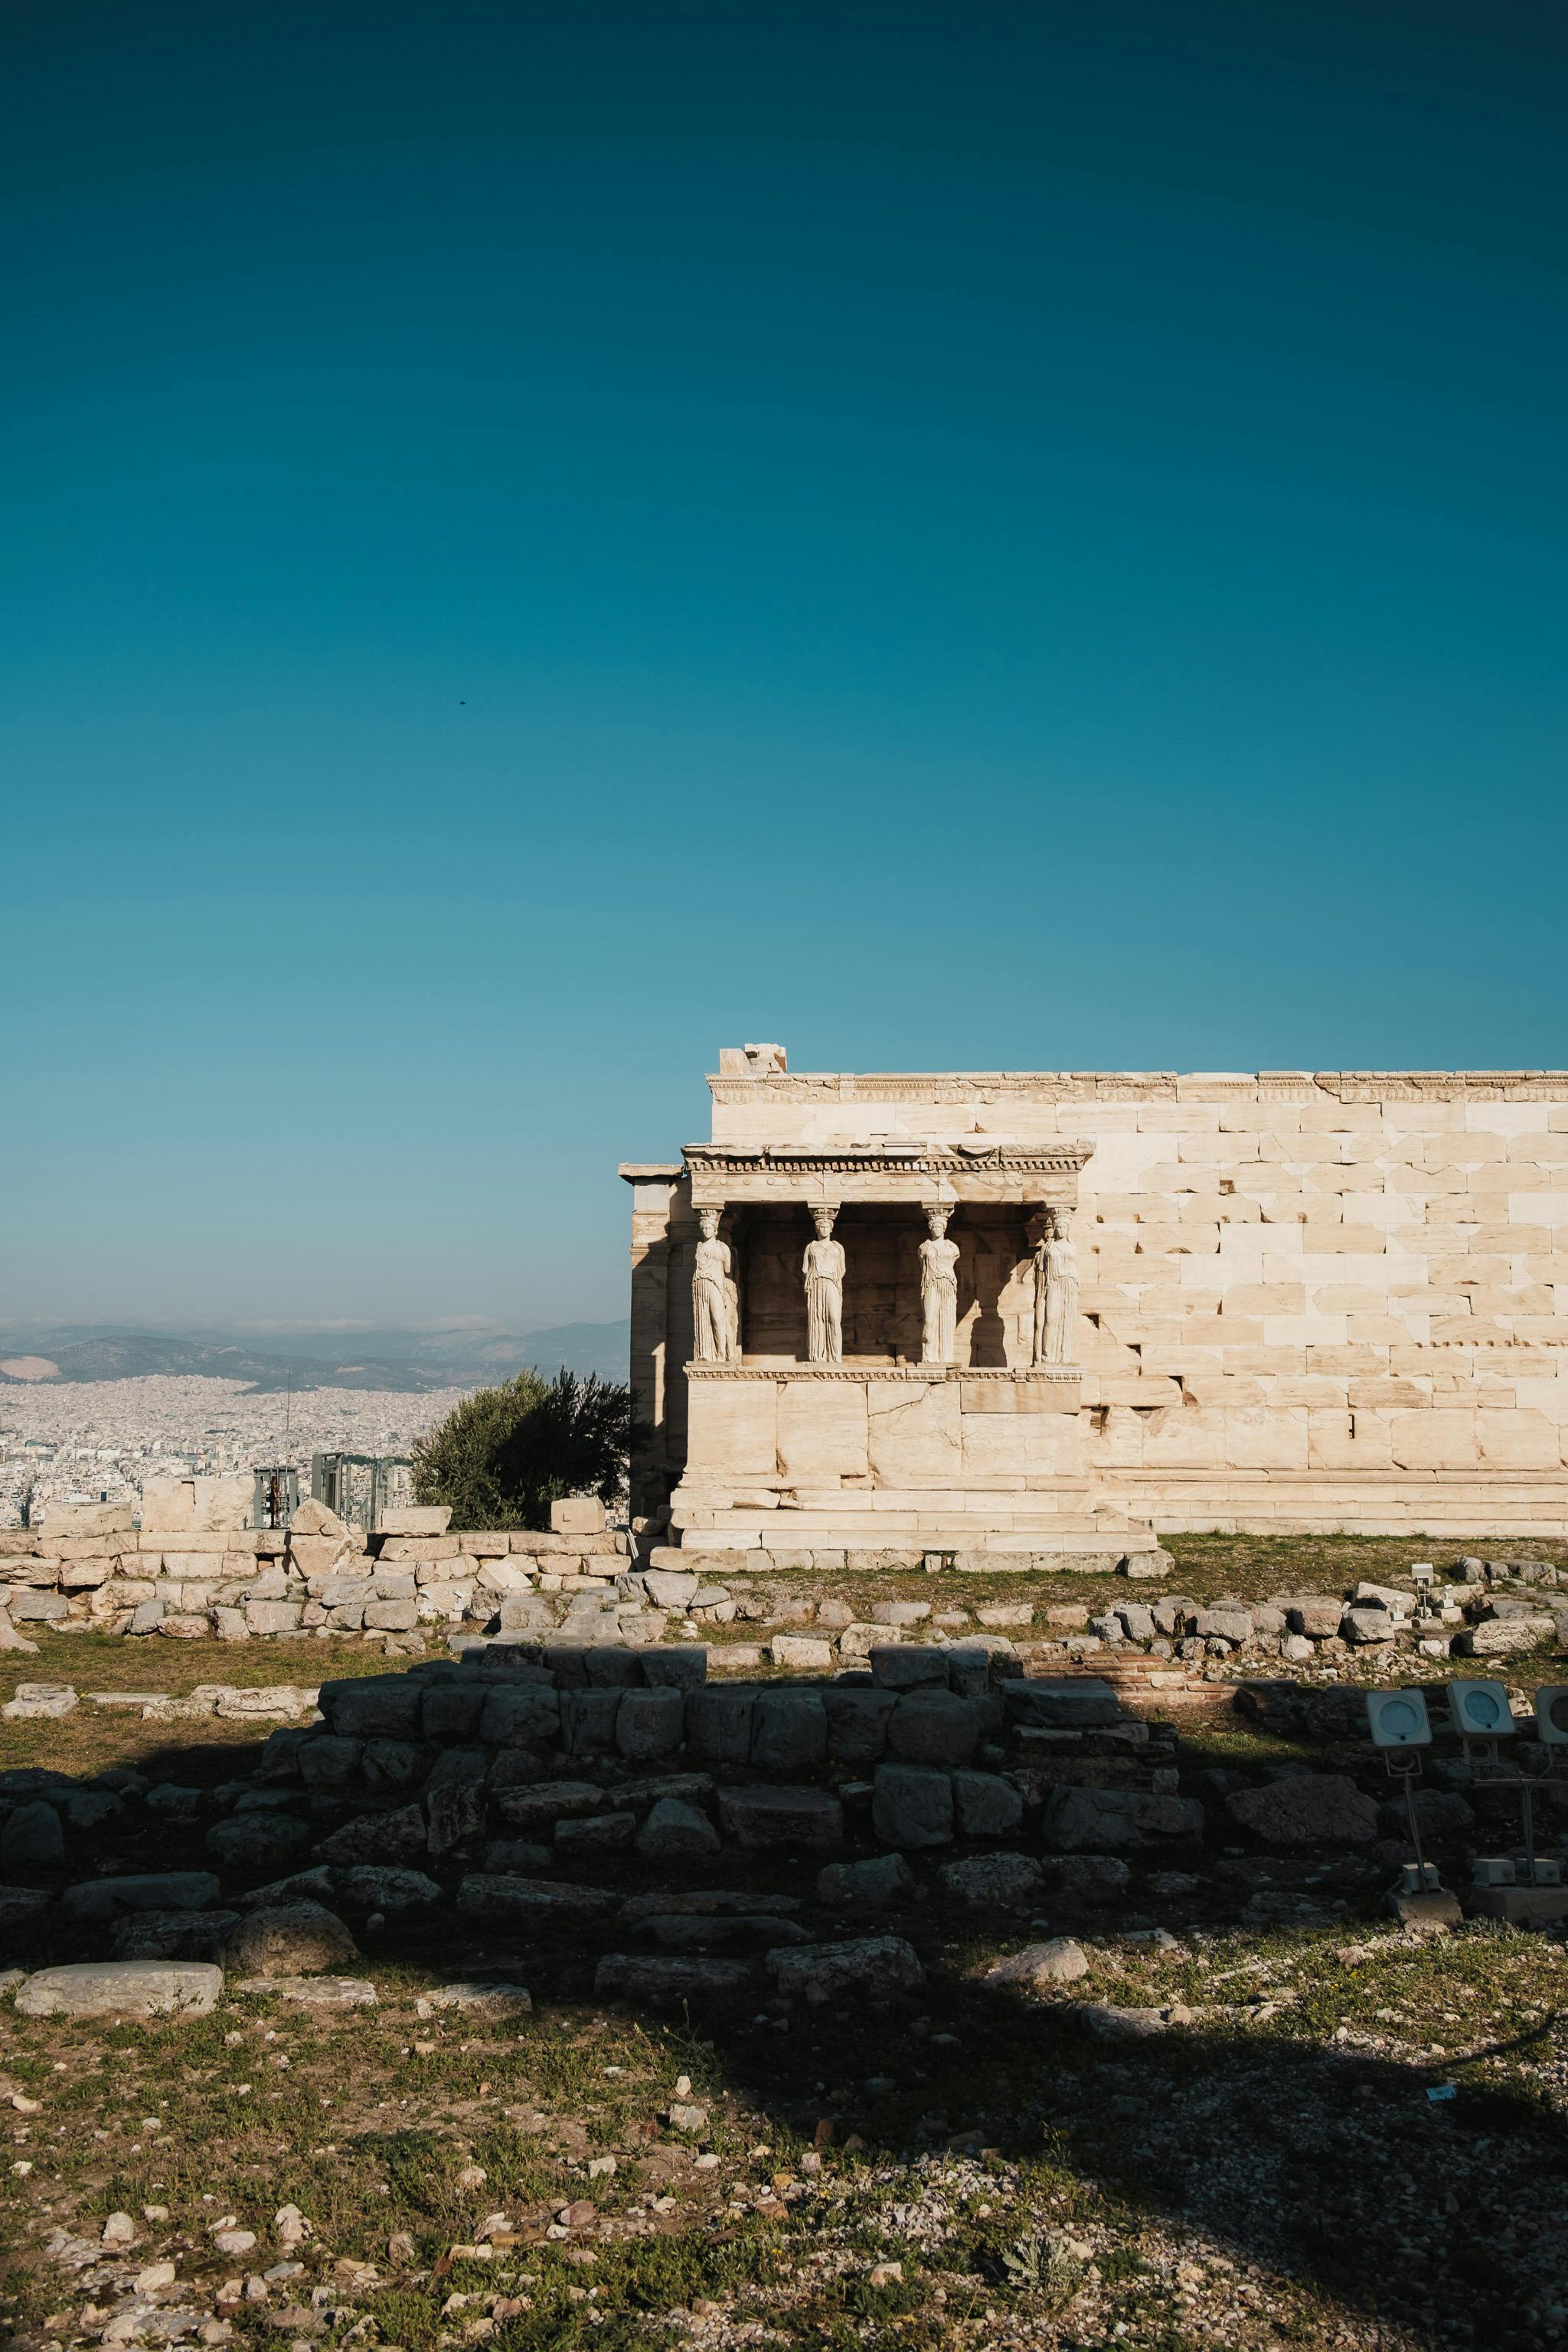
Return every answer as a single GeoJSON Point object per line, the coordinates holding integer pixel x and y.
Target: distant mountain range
{"type": "Point", "coordinates": [372, 1358]}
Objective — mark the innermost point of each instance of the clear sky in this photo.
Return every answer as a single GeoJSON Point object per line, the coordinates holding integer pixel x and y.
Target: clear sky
{"type": "Point", "coordinates": [537, 541]}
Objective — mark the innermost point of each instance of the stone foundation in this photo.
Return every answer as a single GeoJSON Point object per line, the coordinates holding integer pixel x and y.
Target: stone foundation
{"type": "Point", "coordinates": [87, 1565]}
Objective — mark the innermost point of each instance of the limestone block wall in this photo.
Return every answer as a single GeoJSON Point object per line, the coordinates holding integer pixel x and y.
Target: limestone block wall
{"type": "Point", "coordinates": [88, 1565]}
{"type": "Point", "coordinates": [1310, 1300]}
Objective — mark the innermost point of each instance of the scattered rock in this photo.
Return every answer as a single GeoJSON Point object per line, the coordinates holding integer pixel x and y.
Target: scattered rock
{"type": "Point", "coordinates": [33, 1837]}
{"type": "Point", "coordinates": [770, 1817]}
{"type": "Point", "coordinates": [876, 1884]}
{"type": "Point", "coordinates": [162, 1890]}
{"type": "Point", "coordinates": [1057, 1961]}
{"type": "Point", "coordinates": [487, 1999]}
{"type": "Point", "coordinates": [993, 1881]}
{"type": "Point", "coordinates": [637, 1976]}
{"type": "Point", "coordinates": [868, 1965]}
{"type": "Point", "coordinates": [486, 1896]}
{"type": "Point", "coordinates": [677, 1831]}
{"type": "Point", "coordinates": [40, 1699]}
{"type": "Point", "coordinates": [288, 1939]}
{"type": "Point", "coordinates": [250, 1841]}
{"type": "Point", "coordinates": [317, 1992]}
{"type": "Point", "coordinates": [1081, 1819]}
{"type": "Point", "coordinates": [123, 1989]}
{"type": "Point", "coordinates": [1309, 1809]}
{"type": "Point", "coordinates": [171, 1935]}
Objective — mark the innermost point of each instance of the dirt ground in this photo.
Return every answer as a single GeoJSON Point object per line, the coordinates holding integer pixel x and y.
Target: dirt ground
{"type": "Point", "coordinates": [1220, 2136]}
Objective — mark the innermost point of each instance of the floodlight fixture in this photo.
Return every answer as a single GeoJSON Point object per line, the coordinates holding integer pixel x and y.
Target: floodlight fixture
{"type": "Point", "coordinates": [1480, 1710]}
{"type": "Point", "coordinates": [1398, 1718]}
{"type": "Point", "coordinates": [1495, 1869]}
{"type": "Point", "coordinates": [1552, 1715]}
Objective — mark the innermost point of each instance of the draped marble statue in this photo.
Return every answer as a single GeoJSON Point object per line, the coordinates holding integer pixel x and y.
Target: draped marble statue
{"type": "Point", "coordinates": [939, 1291]}
{"type": "Point", "coordinates": [713, 1297]}
{"type": "Point", "coordinates": [1055, 1289]}
{"type": "Point", "coordinates": [823, 1270]}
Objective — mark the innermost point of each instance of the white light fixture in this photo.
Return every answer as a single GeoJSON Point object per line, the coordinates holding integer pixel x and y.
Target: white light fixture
{"type": "Point", "coordinates": [1495, 1869]}
{"type": "Point", "coordinates": [1398, 1718]}
{"type": "Point", "coordinates": [1552, 1715]}
{"type": "Point", "coordinates": [1480, 1710]}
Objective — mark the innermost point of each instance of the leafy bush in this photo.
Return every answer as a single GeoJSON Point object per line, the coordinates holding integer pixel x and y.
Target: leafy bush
{"type": "Point", "coordinates": [503, 1455]}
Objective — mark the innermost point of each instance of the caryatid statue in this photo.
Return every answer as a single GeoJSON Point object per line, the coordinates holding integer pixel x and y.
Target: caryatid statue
{"type": "Point", "coordinates": [1055, 1289]}
{"type": "Point", "coordinates": [713, 1317]}
{"type": "Point", "coordinates": [939, 1291]}
{"type": "Point", "coordinates": [823, 1269]}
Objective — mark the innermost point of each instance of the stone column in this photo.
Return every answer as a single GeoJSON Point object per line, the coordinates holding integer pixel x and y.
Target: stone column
{"type": "Point", "coordinates": [715, 1338]}
{"type": "Point", "coordinates": [823, 1267]}
{"type": "Point", "coordinates": [939, 1291]}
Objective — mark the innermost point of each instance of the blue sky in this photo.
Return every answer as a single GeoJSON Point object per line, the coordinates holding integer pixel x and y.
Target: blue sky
{"type": "Point", "coordinates": [536, 541]}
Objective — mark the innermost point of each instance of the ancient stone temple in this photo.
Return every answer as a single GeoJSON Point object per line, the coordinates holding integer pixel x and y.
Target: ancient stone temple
{"type": "Point", "coordinates": [1019, 1314]}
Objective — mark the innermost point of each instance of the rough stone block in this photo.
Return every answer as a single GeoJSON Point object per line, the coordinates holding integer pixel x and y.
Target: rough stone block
{"type": "Point", "coordinates": [650, 1723]}
{"type": "Point", "coordinates": [771, 1817]}
{"type": "Point", "coordinates": [1083, 1819]}
{"type": "Point", "coordinates": [985, 1805]}
{"type": "Point", "coordinates": [123, 1989]}
{"type": "Point", "coordinates": [905, 1667]}
{"type": "Point", "coordinates": [933, 1726]}
{"type": "Point", "coordinates": [912, 1805]}
{"type": "Point", "coordinates": [373, 1705]}
{"type": "Point", "coordinates": [588, 1721]}
{"type": "Point", "coordinates": [719, 1723]}
{"type": "Point", "coordinates": [857, 1718]}
{"type": "Point", "coordinates": [416, 1520]}
{"type": "Point", "coordinates": [790, 1731]}
{"type": "Point", "coordinates": [528, 1717]}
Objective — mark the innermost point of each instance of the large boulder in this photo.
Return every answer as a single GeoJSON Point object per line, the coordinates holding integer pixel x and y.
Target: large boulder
{"type": "Point", "coordinates": [171, 1935]}
{"type": "Point", "coordinates": [161, 1890]}
{"type": "Point", "coordinates": [249, 1843]}
{"type": "Point", "coordinates": [486, 1894]}
{"type": "Point", "coordinates": [662, 1980]}
{"type": "Point", "coordinates": [1498, 1637]}
{"type": "Point", "coordinates": [868, 1966]}
{"type": "Point", "coordinates": [32, 1837]}
{"type": "Point", "coordinates": [874, 1885]}
{"type": "Point", "coordinates": [1005, 1881]}
{"type": "Point", "coordinates": [1037, 1966]}
{"type": "Point", "coordinates": [1309, 1809]}
{"type": "Point", "coordinates": [677, 1831]}
{"type": "Point", "coordinates": [123, 1989]}
{"type": "Point", "coordinates": [1085, 1820]}
{"type": "Point", "coordinates": [399, 1836]}
{"type": "Point", "coordinates": [288, 1939]}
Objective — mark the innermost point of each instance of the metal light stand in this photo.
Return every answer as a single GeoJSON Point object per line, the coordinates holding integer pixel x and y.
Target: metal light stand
{"type": "Point", "coordinates": [1488, 1770]}
{"type": "Point", "coordinates": [1404, 1765]}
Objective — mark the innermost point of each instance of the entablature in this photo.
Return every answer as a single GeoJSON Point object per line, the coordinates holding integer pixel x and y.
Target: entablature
{"type": "Point", "coordinates": [906, 1170]}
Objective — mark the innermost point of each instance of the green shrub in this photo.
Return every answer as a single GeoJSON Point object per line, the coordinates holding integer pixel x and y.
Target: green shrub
{"type": "Point", "coordinates": [503, 1455]}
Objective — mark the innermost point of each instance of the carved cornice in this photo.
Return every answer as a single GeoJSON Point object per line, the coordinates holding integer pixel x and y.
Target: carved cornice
{"type": "Point", "coordinates": [916, 1158]}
